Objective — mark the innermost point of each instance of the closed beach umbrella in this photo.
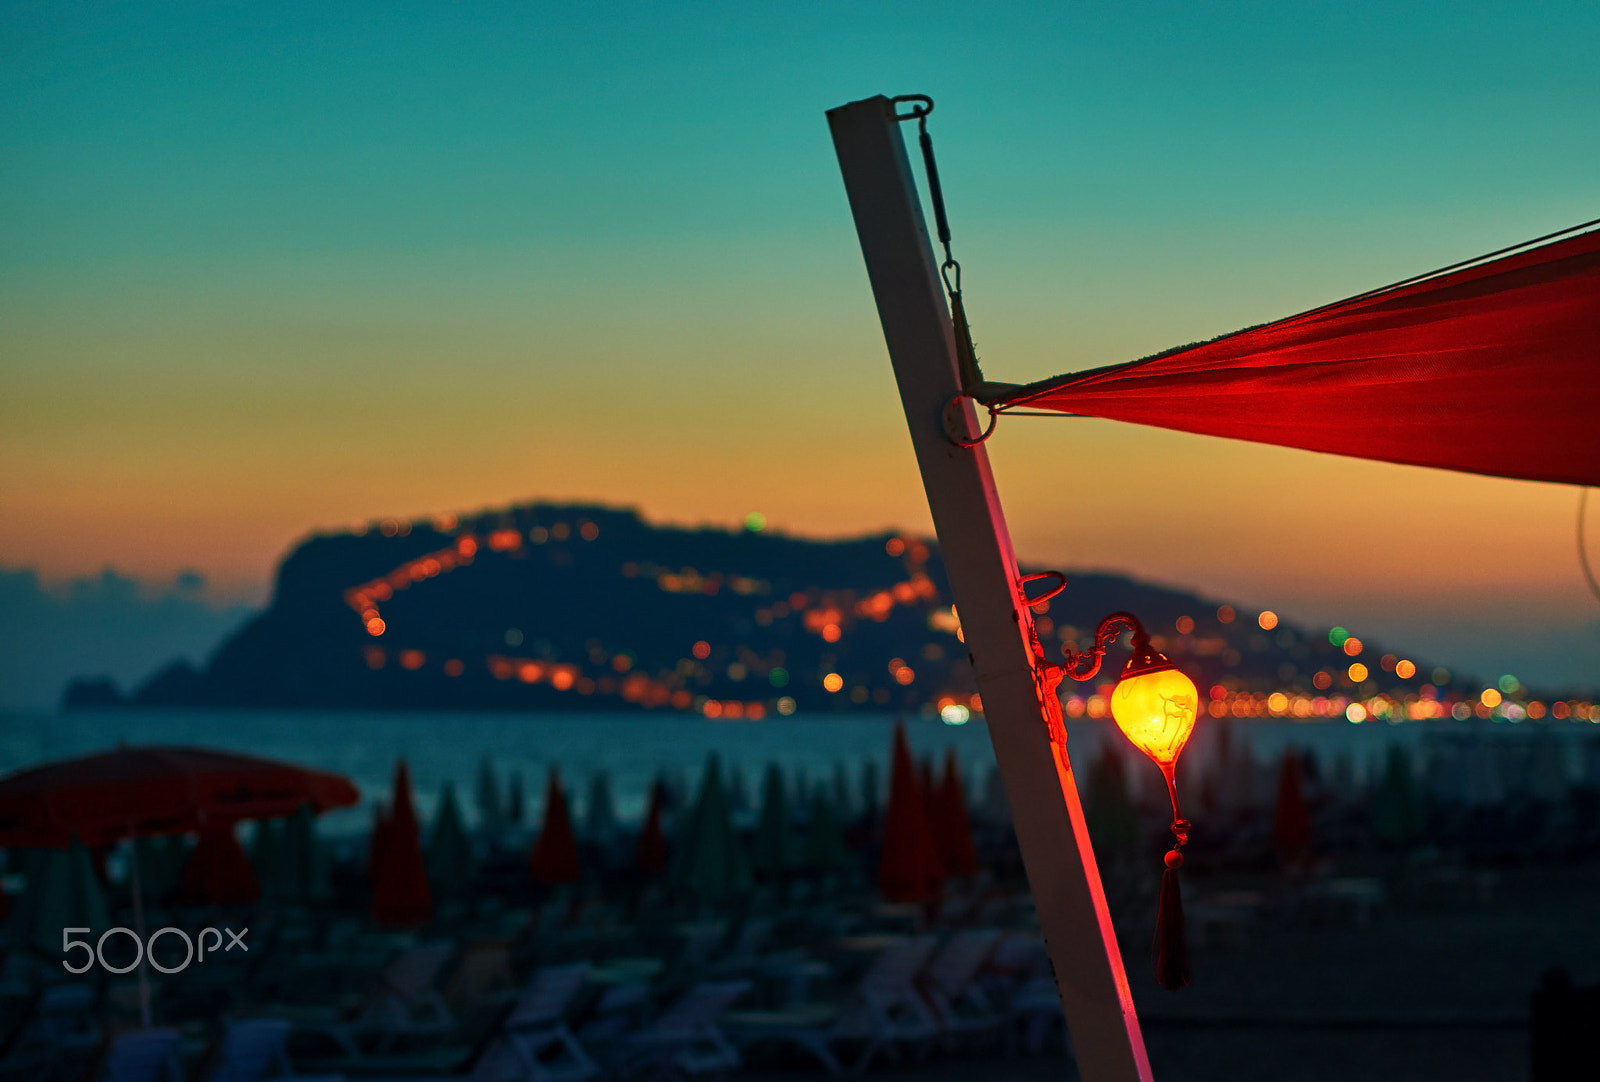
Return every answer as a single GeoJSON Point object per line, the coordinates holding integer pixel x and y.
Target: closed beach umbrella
{"type": "Point", "coordinates": [219, 872]}
{"type": "Point", "coordinates": [1291, 819]}
{"type": "Point", "coordinates": [771, 856]}
{"type": "Point", "coordinates": [709, 863]}
{"type": "Point", "coordinates": [953, 829]}
{"type": "Point", "coordinates": [908, 867]}
{"type": "Point", "coordinates": [555, 852]}
{"type": "Point", "coordinates": [738, 792]}
{"type": "Point", "coordinates": [516, 798]}
{"type": "Point", "coordinates": [869, 793]}
{"type": "Point", "coordinates": [449, 856]}
{"type": "Point", "coordinates": [63, 892]}
{"type": "Point", "coordinates": [161, 861]}
{"type": "Point", "coordinates": [930, 796]}
{"type": "Point", "coordinates": [400, 896]}
{"type": "Point", "coordinates": [266, 857]}
{"type": "Point", "coordinates": [1396, 813]}
{"type": "Point", "coordinates": [305, 866]}
{"type": "Point", "coordinates": [650, 855]}
{"type": "Point", "coordinates": [490, 810]}
{"type": "Point", "coordinates": [825, 850]}
{"type": "Point", "coordinates": [842, 806]}
{"type": "Point", "coordinates": [600, 812]}
{"type": "Point", "coordinates": [1113, 822]}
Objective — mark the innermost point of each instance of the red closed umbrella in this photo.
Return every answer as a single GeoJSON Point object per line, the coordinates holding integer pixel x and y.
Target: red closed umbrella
{"type": "Point", "coordinates": [952, 829]}
{"type": "Point", "coordinates": [650, 857]}
{"type": "Point", "coordinates": [1291, 819]}
{"type": "Point", "coordinates": [908, 868]}
{"type": "Point", "coordinates": [400, 896]}
{"type": "Point", "coordinates": [219, 871]}
{"type": "Point", "coordinates": [555, 852]}
{"type": "Point", "coordinates": [146, 791]}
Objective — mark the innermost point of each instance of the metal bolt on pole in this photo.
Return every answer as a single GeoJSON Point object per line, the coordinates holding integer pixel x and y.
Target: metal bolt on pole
{"type": "Point", "coordinates": [995, 619]}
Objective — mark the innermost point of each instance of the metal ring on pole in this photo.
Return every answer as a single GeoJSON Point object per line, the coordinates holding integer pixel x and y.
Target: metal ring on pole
{"type": "Point", "coordinates": [1061, 584]}
{"type": "Point", "coordinates": [947, 416]}
{"type": "Point", "coordinates": [918, 111]}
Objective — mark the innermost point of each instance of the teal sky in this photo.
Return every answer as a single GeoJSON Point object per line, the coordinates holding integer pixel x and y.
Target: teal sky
{"type": "Point", "coordinates": [269, 267]}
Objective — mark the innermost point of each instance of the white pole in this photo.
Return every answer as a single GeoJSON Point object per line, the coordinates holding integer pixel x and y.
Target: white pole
{"type": "Point", "coordinates": [138, 926]}
{"type": "Point", "coordinates": [996, 623]}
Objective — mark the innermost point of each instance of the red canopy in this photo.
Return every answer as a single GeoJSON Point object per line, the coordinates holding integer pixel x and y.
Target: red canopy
{"type": "Point", "coordinates": [1494, 369]}
{"type": "Point", "coordinates": [155, 790]}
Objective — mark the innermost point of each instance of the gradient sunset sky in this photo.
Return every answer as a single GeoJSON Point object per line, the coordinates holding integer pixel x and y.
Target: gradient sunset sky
{"type": "Point", "coordinates": [271, 268]}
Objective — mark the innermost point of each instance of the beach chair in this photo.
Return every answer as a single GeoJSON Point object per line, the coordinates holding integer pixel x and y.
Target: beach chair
{"type": "Point", "coordinates": [686, 1037]}
{"type": "Point", "coordinates": [405, 1004]}
{"type": "Point", "coordinates": [60, 1024]}
{"type": "Point", "coordinates": [254, 1051]}
{"type": "Point", "coordinates": [884, 1010]}
{"type": "Point", "coordinates": [140, 1055]}
{"type": "Point", "coordinates": [535, 1044]}
{"type": "Point", "coordinates": [952, 986]}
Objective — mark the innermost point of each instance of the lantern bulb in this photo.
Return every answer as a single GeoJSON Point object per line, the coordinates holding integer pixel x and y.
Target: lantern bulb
{"type": "Point", "coordinates": [1156, 709]}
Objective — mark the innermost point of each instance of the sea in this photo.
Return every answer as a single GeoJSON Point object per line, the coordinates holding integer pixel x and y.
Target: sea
{"type": "Point", "coordinates": [634, 749]}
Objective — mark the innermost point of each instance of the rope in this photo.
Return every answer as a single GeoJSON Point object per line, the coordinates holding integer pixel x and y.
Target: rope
{"type": "Point", "coordinates": [1025, 394]}
{"type": "Point", "coordinates": [1583, 548]}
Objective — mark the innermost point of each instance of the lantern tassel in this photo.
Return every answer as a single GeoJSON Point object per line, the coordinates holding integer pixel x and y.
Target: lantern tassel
{"type": "Point", "coordinates": [1170, 951]}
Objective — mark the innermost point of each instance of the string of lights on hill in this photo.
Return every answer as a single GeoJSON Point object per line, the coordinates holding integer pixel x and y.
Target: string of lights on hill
{"type": "Point", "coordinates": [559, 607]}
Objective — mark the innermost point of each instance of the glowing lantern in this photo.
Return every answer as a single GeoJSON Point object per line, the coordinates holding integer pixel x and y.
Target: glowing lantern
{"type": "Point", "coordinates": [1155, 706]}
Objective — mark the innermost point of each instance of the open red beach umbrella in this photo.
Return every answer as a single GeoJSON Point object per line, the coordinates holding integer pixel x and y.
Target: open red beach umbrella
{"type": "Point", "coordinates": [952, 829]}
{"type": "Point", "coordinates": [1291, 819]}
{"type": "Point", "coordinates": [908, 868]}
{"type": "Point", "coordinates": [555, 852]}
{"type": "Point", "coordinates": [154, 790]}
{"type": "Point", "coordinates": [219, 871]}
{"type": "Point", "coordinates": [400, 896]}
{"type": "Point", "coordinates": [650, 857]}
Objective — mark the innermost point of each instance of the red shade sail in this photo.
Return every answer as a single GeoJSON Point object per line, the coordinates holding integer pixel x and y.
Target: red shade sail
{"type": "Point", "coordinates": [1494, 369]}
{"type": "Point", "coordinates": [155, 790]}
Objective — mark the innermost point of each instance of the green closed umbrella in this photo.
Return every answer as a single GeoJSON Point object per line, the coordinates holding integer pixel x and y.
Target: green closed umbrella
{"type": "Point", "coordinates": [1397, 813]}
{"type": "Point", "coordinates": [600, 811]}
{"type": "Point", "coordinates": [825, 851]}
{"type": "Point", "coordinates": [449, 855]}
{"type": "Point", "coordinates": [305, 864]}
{"type": "Point", "coordinates": [1113, 821]}
{"type": "Point", "coordinates": [63, 892]}
{"type": "Point", "coordinates": [772, 843]}
{"type": "Point", "coordinates": [266, 857]}
{"type": "Point", "coordinates": [709, 862]}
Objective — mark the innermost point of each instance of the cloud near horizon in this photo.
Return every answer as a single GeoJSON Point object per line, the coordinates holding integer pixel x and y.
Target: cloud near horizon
{"type": "Point", "coordinates": [106, 625]}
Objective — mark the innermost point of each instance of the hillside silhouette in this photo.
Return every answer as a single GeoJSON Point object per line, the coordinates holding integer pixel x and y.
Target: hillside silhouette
{"type": "Point", "coordinates": [576, 607]}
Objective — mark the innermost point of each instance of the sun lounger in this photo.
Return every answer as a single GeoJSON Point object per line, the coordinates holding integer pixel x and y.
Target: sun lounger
{"type": "Point", "coordinates": [535, 1044]}
{"type": "Point", "coordinates": [253, 1051]}
{"type": "Point", "coordinates": [60, 1023]}
{"type": "Point", "coordinates": [883, 1011]}
{"type": "Point", "coordinates": [952, 983]}
{"type": "Point", "coordinates": [140, 1055]}
{"type": "Point", "coordinates": [404, 1005]}
{"type": "Point", "coordinates": [686, 1036]}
